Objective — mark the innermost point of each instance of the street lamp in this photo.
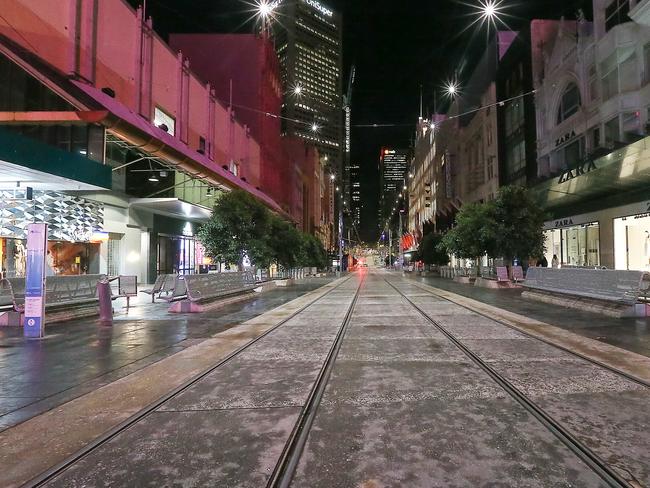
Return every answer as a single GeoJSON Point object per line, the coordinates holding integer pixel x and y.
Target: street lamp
{"type": "Point", "coordinates": [314, 127]}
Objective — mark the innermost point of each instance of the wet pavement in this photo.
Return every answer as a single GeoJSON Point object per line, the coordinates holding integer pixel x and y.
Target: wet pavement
{"type": "Point", "coordinates": [403, 407]}
{"type": "Point", "coordinates": [81, 356]}
{"type": "Point", "coordinates": [632, 334]}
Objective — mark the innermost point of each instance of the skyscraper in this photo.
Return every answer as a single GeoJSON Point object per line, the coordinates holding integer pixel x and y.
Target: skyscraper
{"type": "Point", "coordinates": [355, 193]}
{"type": "Point", "coordinates": [308, 38]}
{"type": "Point", "coordinates": [392, 172]}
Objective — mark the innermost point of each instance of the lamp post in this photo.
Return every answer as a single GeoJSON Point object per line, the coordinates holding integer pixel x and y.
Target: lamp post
{"type": "Point", "coordinates": [401, 247]}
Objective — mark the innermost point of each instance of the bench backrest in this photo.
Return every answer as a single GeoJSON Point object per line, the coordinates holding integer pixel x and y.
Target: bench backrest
{"type": "Point", "coordinates": [169, 282]}
{"type": "Point", "coordinates": [502, 273]}
{"type": "Point", "coordinates": [518, 273]}
{"type": "Point", "coordinates": [60, 289]}
{"type": "Point", "coordinates": [206, 286]}
{"type": "Point", "coordinates": [12, 293]}
{"type": "Point", "coordinates": [127, 286]}
{"type": "Point", "coordinates": [605, 284]}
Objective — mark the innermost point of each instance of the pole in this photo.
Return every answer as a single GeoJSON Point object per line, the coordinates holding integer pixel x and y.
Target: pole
{"type": "Point", "coordinates": [401, 248]}
{"type": "Point", "coordinates": [340, 239]}
{"type": "Point", "coordinates": [390, 248]}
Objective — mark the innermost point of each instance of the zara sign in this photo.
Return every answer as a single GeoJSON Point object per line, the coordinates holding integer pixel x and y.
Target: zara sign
{"type": "Point", "coordinates": [579, 170]}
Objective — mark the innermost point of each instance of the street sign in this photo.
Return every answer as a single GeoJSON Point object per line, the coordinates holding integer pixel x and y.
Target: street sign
{"type": "Point", "coordinates": [34, 325]}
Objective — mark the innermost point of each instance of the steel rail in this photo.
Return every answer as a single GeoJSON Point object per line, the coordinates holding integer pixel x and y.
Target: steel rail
{"type": "Point", "coordinates": [596, 362]}
{"type": "Point", "coordinates": [590, 458]}
{"type": "Point", "coordinates": [61, 467]}
{"type": "Point", "coordinates": [286, 466]}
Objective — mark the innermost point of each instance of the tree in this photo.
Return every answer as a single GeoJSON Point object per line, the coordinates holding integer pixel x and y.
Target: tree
{"type": "Point", "coordinates": [239, 227]}
{"type": "Point", "coordinates": [314, 254]}
{"type": "Point", "coordinates": [285, 243]}
{"type": "Point", "coordinates": [519, 222]}
{"type": "Point", "coordinates": [430, 252]}
{"type": "Point", "coordinates": [474, 233]}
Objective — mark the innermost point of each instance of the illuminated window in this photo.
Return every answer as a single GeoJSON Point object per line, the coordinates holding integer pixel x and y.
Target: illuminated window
{"type": "Point", "coordinates": [569, 104]}
{"type": "Point", "coordinates": [164, 121]}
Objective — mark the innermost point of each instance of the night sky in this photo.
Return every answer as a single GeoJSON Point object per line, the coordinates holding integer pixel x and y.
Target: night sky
{"type": "Point", "coordinates": [396, 46]}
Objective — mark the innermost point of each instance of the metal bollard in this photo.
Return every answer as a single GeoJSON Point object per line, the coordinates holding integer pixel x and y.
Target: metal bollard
{"type": "Point", "coordinates": [105, 302]}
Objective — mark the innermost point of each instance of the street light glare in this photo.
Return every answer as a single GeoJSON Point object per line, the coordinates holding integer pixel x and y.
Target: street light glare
{"type": "Point", "coordinates": [265, 8]}
{"type": "Point", "coordinates": [297, 90]}
{"type": "Point", "coordinates": [314, 127]}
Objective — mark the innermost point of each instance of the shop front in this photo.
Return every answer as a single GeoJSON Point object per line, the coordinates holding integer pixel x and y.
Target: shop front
{"type": "Point", "coordinates": [573, 245]}
{"type": "Point", "coordinates": [72, 222]}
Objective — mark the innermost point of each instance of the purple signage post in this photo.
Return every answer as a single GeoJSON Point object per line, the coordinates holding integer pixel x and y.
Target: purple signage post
{"type": "Point", "coordinates": [34, 325]}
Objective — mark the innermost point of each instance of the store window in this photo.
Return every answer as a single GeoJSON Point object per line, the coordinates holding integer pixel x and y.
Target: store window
{"type": "Point", "coordinates": [631, 123]}
{"type": "Point", "coordinates": [616, 13]}
{"type": "Point", "coordinates": [164, 121]}
{"type": "Point", "coordinates": [646, 63]}
{"type": "Point", "coordinates": [612, 131]}
{"type": "Point", "coordinates": [576, 246]}
{"type": "Point", "coordinates": [176, 254]}
{"type": "Point", "coordinates": [569, 103]}
{"type": "Point", "coordinates": [609, 70]}
{"type": "Point", "coordinates": [632, 242]}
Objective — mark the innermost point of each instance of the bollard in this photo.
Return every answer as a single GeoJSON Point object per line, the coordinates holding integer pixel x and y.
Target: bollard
{"type": "Point", "coordinates": [105, 302]}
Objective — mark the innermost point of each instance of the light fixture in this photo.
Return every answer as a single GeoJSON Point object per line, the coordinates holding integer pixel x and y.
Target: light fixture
{"type": "Point", "coordinates": [405, 187]}
{"type": "Point", "coordinates": [153, 178]}
{"type": "Point", "coordinates": [332, 177]}
{"type": "Point", "coordinates": [314, 127]}
{"type": "Point", "coordinates": [265, 8]}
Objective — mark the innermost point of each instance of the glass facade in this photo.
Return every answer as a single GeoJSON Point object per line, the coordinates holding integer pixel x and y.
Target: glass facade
{"type": "Point", "coordinates": [632, 242]}
{"type": "Point", "coordinates": [577, 245]}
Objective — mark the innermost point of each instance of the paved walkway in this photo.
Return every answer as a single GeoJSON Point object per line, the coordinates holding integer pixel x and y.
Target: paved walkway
{"type": "Point", "coordinates": [416, 391]}
{"type": "Point", "coordinates": [81, 356]}
{"type": "Point", "coordinates": [629, 333]}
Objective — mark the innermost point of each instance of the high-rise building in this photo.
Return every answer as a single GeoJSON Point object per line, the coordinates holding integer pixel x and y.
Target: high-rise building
{"type": "Point", "coordinates": [309, 42]}
{"type": "Point", "coordinates": [392, 172]}
{"type": "Point", "coordinates": [355, 193]}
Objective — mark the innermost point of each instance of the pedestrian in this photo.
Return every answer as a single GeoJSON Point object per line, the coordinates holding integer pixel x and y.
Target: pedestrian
{"type": "Point", "coordinates": [543, 262]}
{"type": "Point", "coordinates": [555, 262]}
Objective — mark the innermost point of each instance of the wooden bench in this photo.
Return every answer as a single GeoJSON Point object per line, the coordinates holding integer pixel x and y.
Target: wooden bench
{"type": "Point", "coordinates": [205, 288]}
{"type": "Point", "coordinates": [612, 292]}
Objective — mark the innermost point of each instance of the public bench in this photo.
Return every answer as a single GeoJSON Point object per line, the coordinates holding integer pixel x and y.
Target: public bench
{"type": "Point", "coordinates": [616, 293]}
{"type": "Point", "coordinates": [156, 288]}
{"type": "Point", "coordinates": [66, 297]}
{"type": "Point", "coordinates": [202, 289]}
{"type": "Point", "coordinates": [127, 287]}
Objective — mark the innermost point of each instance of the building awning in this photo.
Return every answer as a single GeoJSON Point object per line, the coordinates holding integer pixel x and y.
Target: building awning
{"type": "Point", "coordinates": [40, 166]}
{"type": "Point", "coordinates": [154, 141]}
{"type": "Point", "coordinates": [625, 170]}
{"type": "Point", "coordinates": [172, 207]}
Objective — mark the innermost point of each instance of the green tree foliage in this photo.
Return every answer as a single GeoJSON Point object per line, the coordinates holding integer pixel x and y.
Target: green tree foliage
{"type": "Point", "coordinates": [430, 251]}
{"type": "Point", "coordinates": [239, 225]}
{"type": "Point", "coordinates": [314, 254]}
{"type": "Point", "coordinates": [286, 243]}
{"type": "Point", "coordinates": [519, 224]}
{"type": "Point", "coordinates": [474, 234]}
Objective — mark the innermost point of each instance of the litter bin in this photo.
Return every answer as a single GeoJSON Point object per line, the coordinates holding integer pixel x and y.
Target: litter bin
{"type": "Point", "coordinates": [105, 302]}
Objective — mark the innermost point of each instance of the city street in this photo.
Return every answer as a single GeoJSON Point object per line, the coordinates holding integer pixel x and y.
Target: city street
{"type": "Point", "coordinates": [374, 381]}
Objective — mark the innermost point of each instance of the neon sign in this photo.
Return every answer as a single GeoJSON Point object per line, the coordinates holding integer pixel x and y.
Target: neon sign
{"type": "Point", "coordinates": [322, 9]}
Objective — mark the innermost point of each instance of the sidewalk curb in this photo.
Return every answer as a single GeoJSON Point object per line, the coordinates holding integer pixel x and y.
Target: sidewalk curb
{"type": "Point", "coordinates": [630, 363]}
{"type": "Point", "coordinates": [31, 447]}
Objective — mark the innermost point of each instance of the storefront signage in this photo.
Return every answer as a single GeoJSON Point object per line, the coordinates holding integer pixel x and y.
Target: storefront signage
{"type": "Point", "coordinates": [580, 170]}
{"type": "Point", "coordinates": [322, 9]}
{"type": "Point", "coordinates": [34, 325]}
{"type": "Point", "coordinates": [565, 138]}
{"type": "Point", "coordinates": [563, 223]}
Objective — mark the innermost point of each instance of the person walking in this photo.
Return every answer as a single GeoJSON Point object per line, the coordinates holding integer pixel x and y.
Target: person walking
{"type": "Point", "coordinates": [543, 262]}
{"type": "Point", "coordinates": [555, 262]}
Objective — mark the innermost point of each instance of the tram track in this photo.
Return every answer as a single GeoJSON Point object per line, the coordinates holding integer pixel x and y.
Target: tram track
{"type": "Point", "coordinates": [608, 474]}
{"type": "Point", "coordinates": [285, 468]}
{"type": "Point", "coordinates": [590, 360]}
{"type": "Point", "coordinates": [51, 474]}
